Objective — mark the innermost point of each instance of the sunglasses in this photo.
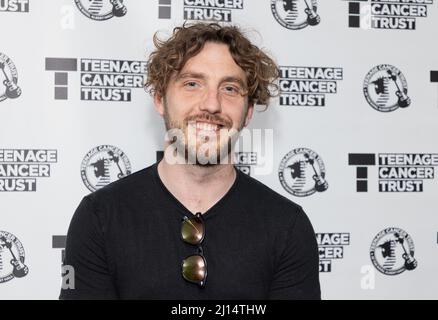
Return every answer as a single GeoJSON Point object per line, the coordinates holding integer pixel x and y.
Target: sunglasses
{"type": "Point", "coordinates": [194, 267]}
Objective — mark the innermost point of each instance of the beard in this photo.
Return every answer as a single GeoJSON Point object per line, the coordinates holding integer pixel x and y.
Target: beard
{"type": "Point", "coordinates": [201, 144]}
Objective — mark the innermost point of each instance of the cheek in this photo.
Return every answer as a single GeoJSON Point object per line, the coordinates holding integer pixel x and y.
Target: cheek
{"type": "Point", "coordinates": [236, 112]}
{"type": "Point", "coordinates": [183, 103]}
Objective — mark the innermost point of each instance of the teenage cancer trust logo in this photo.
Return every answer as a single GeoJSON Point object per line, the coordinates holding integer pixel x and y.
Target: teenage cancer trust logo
{"type": "Point", "coordinates": [392, 251]}
{"type": "Point", "coordinates": [103, 165]}
{"type": "Point", "coordinates": [386, 88]}
{"type": "Point", "coordinates": [302, 173]}
{"type": "Point", "coordinates": [9, 79]}
{"type": "Point", "coordinates": [11, 257]}
{"type": "Point", "coordinates": [387, 14]}
{"type": "Point", "coordinates": [295, 14]}
{"type": "Point", "coordinates": [101, 9]}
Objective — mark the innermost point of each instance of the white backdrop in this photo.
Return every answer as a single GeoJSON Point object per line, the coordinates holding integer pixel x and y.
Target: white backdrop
{"type": "Point", "coordinates": [45, 50]}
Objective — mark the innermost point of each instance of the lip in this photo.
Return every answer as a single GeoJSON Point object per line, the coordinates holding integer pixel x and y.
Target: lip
{"type": "Point", "coordinates": [220, 125]}
{"type": "Point", "coordinates": [208, 122]}
{"type": "Point", "coordinates": [205, 130]}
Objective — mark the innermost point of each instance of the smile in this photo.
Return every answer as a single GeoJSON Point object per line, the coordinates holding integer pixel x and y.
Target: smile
{"type": "Point", "coordinates": [205, 126]}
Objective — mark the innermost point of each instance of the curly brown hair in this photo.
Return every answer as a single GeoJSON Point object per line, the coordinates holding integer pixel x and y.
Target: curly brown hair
{"type": "Point", "coordinates": [188, 40]}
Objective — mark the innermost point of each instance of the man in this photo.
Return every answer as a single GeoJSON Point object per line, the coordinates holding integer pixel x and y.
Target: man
{"type": "Point", "coordinates": [192, 226]}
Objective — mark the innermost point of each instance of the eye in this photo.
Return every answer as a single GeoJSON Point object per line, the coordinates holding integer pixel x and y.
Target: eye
{"type": "Point", "coordinates": [231, 90]}
{"type": "Point", "coordinates": [191, 84]}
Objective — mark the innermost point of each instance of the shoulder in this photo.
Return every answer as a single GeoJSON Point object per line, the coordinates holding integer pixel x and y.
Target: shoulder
{"type": "Point", "coordinates": [107, 201]}
{"type": "Point", "coordinates": [126, 186]}
{"type": "Point", "coordinates": [107, 205]}
{"type": "Point", "coordinates": [260, 192]}
{"type": "Point", "coordinates": [281, 218]}
{"type": "Point", "coordinates": [268, 202]}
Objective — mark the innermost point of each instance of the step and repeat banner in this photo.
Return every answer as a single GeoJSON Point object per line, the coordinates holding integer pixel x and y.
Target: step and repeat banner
{"type": "Point", "coordinates": [354, 128]}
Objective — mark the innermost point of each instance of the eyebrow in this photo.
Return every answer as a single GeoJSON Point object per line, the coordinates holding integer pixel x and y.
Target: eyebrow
{"type": "Point", "coordinates": [234, 79]}
{"type": "Point", "coordinates": [195, 75]}
{"type": "Point", "coordinates": [202, 76]}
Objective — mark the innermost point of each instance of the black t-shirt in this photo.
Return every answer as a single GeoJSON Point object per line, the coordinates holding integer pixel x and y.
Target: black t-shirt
{"type": "Point", "coordinates": [124, 242]}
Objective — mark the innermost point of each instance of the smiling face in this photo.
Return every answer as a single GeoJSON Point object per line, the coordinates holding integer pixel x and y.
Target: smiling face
{"type": "Point", "coordinates": [207, 97]}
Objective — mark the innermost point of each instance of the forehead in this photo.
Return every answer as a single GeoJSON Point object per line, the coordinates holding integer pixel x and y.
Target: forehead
{"type": "Point", "coordinates": [215, 61]}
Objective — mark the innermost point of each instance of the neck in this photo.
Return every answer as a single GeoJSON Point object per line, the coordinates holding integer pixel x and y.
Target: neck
{"type": "Point", "coordinates": [197, 187]}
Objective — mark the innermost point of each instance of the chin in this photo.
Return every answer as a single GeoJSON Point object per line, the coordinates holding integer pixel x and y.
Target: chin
{"type": "Point", "coordinates": [204, 159]}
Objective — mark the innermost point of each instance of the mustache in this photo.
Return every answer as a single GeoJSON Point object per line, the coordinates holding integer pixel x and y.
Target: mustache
{"type": "Point", "coordinates": [210, 118]}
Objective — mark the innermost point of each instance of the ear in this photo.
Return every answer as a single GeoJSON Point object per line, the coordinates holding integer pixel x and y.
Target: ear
{"type": "Point", "coordinates": [159, 103]}
{"type": "Point", "coordinates": [249, 114]}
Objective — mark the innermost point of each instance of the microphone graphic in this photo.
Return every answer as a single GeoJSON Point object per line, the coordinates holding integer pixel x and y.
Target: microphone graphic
{"type": "Point", "coordinates": [19, 268]}
{"type": "Point", "coordinates": [403, 99]}
{"type": "Point", "coordinates": [320, 183]}
{"type": "Point", "coordinates": [312, 17]}
{"type": "Point", "coordinates": [410, 262]}
{"type": "Point", "coordinates": [12, 90]}
{"type": "Point", "coordinates": [119, 9]}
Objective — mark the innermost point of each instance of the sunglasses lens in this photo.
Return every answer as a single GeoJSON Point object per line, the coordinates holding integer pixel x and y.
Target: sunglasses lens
{"type": "Point", "coordinates": [194, 269]}
{"type": "Point", "coordinates": [192, 230]}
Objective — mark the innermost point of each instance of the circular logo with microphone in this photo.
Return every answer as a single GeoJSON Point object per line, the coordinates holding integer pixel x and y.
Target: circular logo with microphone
{"type": "Point", "coordinates": [11, 258]}
{"type": "Point", "coordinates": [386, 89]}
{"type": "Point", "coordinates": [103, 165]}
{"type": "Point", "coordinates": [295, 14]}
{"type": "Point", "coordinates": [302, 173]}
{"type": "Point", "coordinates": [392, 251]}
{"type": "Point", "coordinates": [9, 79]}
{"type": "Point", "coordinates": [101, 9]}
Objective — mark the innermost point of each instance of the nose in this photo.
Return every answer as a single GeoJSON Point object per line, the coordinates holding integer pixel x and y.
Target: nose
{"type": "Point", "coordinates": [211, 102]}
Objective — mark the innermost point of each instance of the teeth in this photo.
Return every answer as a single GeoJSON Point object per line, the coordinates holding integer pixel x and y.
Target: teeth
{"type": "Point", "coordinates": [206, 126]}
